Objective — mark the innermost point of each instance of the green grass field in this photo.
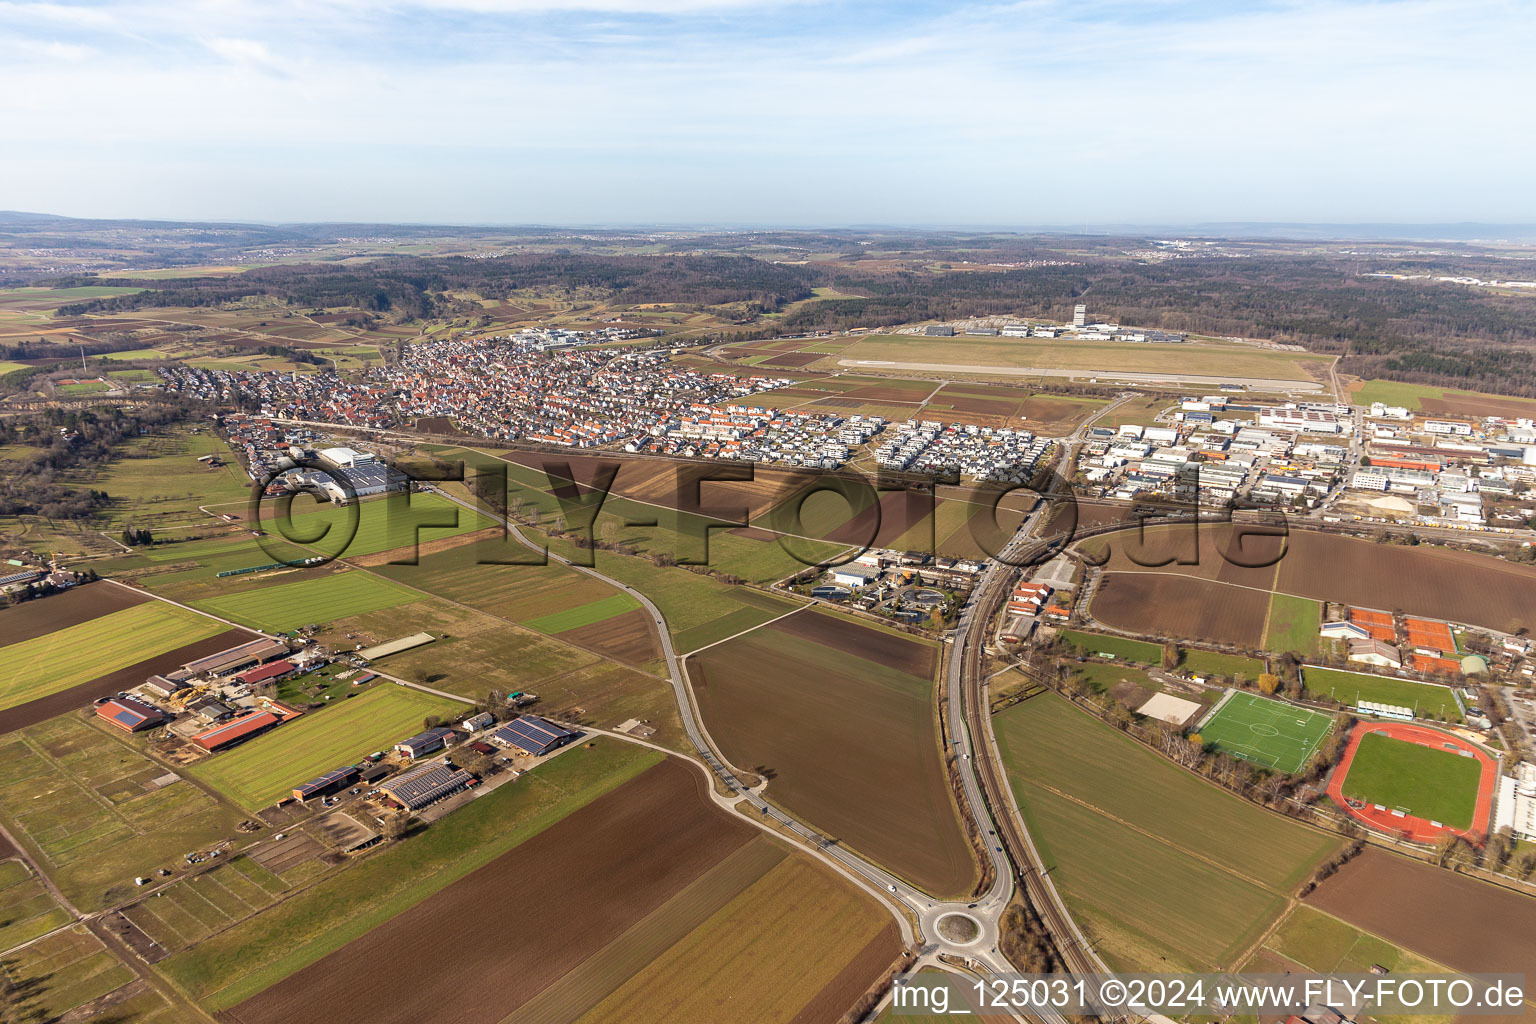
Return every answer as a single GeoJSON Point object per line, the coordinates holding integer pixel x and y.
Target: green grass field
{"type": "Point", "coordinates": [1433, 784]}
{"type": "Point", "coordinates": [383, 524]}
{"type": "Point", "coordinates": [287, 606]}
{"type": "Point", "coordinates": [67, 657]}
{"type": "Point", "coordinates": [584, 615]}
{"type": "Point", "coordinates": [1317, 942]}
{"type": "Point", "coordinates": [1427, 699]}
{"type": "Point", "coordinates": [1123, 649]}
{"type": "Point", "coordinates": [1154, 862]}
{"type": "Point", "coordinates": [262, 771]}
{"type": "Point", "coordinates": [89, 387]}
{"type": "Point", "coordinates": [1293, 624]}
{"type": "Point", "coordinates": [1266, 732]}
{"type": "Point", "coordinates": [1411, 396]}
{"type": "Point", "coordinates": [1214, 663]}
{"type": "Point", "coordinates": [263, 950]}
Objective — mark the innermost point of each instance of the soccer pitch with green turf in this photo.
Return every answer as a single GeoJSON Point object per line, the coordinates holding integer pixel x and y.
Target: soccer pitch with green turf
{"type": "Point", "coordinates": [1266, 732]}
{"type": "Point", "coordinates": [321, 600]}
{"type": "Point", "coordinates": [77, 654]}
{"type": "Point", "coordinates": [1436, 785]}
{"type": "Point", "coordinates": [260, 772]}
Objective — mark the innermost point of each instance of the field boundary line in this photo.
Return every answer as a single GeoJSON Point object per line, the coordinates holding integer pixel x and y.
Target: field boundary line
{"type": "Point", "coordinates": [749, 629]}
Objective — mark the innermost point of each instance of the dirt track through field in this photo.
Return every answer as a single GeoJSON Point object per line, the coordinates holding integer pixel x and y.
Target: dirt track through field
{"type": "Point", "coordinates": [485, 945]}
{"type": "Point", "coordinates": [55, 704]}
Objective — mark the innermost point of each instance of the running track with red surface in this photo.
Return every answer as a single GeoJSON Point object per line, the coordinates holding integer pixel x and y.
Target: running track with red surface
{"type": "Point", "coordinates": [1419, 830]}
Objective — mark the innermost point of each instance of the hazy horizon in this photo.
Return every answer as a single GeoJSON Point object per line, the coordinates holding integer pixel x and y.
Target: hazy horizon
{"type": "Point", "coordinates": [768, 112]}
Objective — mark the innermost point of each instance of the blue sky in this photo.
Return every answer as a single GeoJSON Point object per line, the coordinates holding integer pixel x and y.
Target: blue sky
{"type": "Point", "coordinates": [735, 111]}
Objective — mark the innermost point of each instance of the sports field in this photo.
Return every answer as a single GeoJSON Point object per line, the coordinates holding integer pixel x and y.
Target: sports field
{"type": "Point", "coordinates": [289, 605]}
{"type": "Point", "coordinates": [1427, 699]}
{"type": "Point", "coordinates": [260, 772]}
{"type": "Point", "coordinates": [1266, 732]}
{"type": "Point", "coordinates": [1432, 784]}
{"type": "Point", "coordinates": [77, 654]}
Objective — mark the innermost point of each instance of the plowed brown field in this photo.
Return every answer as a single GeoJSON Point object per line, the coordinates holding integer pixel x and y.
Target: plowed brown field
{"type": "Point", "coordinates": [903, 654]}
{"type": "Point", "coordinates": [1458, 586]}
{"type": "Point", "coordinates": [44, 615]}
{"type": "Point", "coordinates": [480, 948]}
{"type": "Point", "coordinates": [1163, 604]}
{"type": "Point", "coordinates": [1458, 921]}
{"type": "Point", "coordinates": [628, 637]}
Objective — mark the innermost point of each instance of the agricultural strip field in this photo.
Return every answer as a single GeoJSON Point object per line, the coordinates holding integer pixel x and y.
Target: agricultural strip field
{"type": "Point", "coordinates": [81, 801]}
{"type": "Point", "coordinates": [66, 973]}
{"type": "Point", "coordinates": [1152, 860]}
{"type": "Point", "coordinates": [1436, 785]}
{"type": "Point", "coordinates": [1165, 604]}
{"type": "Point", "coordinates": [1293, 624]}
{"type": "Point", "coordinates": [1436, 583]}
{"type": "Point", "coordinates": [1213, 663]}
{"type": "Point", "coordinates": [584, 615]}
{"type": "Point", "coordinates": [1122, 648]}
{"type": "Point", "coordinates": [57, 703]}
{"type": "Point", "coordinates": [57, 611]}
{"type": "Point", "coordinates": [1266, 732]}
{"type": "Point", "coordinates": [26, 908]}
{"type": "Point", "coordinates": [237, 963]}
{"type": "Point", "coordinates": [263, 770]}
{"type": "Point", "coordinates": [1427, 699]}
{"type": "Point", "coordinates": [286, 606]}
{"type": "Point", "coordinates": [1452, 919]}
{"type": "Point", "coordinates": [396, 523]}
{"type": "Point", "coordinates": [1311, 940]}
{"type": "Point", "coordinates": [644, 863]}
{"type": "Point", "coordinates": [837, 714]}
{"type": "Point", "coordinates": [78, 654]}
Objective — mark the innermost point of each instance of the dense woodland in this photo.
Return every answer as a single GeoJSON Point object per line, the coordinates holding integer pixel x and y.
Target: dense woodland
{"type": "Point", "coordinates": [1442, 334]}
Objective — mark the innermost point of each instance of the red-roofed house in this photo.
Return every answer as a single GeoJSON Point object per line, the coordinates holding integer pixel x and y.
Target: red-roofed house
{"type": "Point", "coordinates": [268, 673]}
{"type": "Point", "coordinates": [235, 730]}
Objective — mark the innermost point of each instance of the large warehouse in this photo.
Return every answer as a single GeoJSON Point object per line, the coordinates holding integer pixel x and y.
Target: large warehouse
{"type": "Point", "coordinates": [244, 656]}
{"type": "Point", "coordinates": [532, 735]}
{"type": "Point", "coordinates": [428, 784]}
{"type": "Point", "coordinates": [235, 730]}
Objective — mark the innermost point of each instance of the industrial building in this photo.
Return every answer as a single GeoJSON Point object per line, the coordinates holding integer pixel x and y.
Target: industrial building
{"type": "Point", "coordinates": [236, 730]}
{"type": "Point", "coordinates": [533, 735]}
{"type": "Point", "coordinates": [428, 784]}
{"type": "Point", "coordinates": [256, 652]}
{"type": "Point", "coordinates": [130, 713]}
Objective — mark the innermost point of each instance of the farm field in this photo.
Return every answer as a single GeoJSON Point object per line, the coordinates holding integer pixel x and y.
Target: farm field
{"type": "Point", "coordinates": [1436, 583]}
{"type": "Point", "coordinates": [644, 867]}
{"type": "Point", "coordinates": [1435, 401]}
{"type": "Point", "coordinates": [1123, 648]}
{"type": "Point", "coordinates": [68, 971]}
{"type": "Point", "coordinates": [80, 653]}
{"type": "Point", "coordinates": [57, 611]}
{"type": "Point", "coordinates": [82, 802]}
{"type": "Point", "coordinates": [1435, 785]}
{"type": "Point", "coordinates": [1293, 624]}
{"type": "Point", "coordinates": [27, 910]}
{"type": "Point", "coordinates": [263, 770]}
{"type": "Point", "coordinates": [584, 615]}
{"type": "Point", "coordinates": [156, 481]}
{"type": "Point", "coordinates": [1447, 920]}
{"type": "Point", "coordinates": [837, 715]}
{"type": "Point", "coordinates": [239, 962]}
{"type": "Point", "coordinates": [1173, 884]}
{"type": "Point", "coordinates": [1353, 687]}
{"type": "Point", "coordinates": [321, 599]}
{"type": "Point", "coordinates": [1266, 732]}
{"type": "Point", "coordinates": [396, 523]}
{"type": "Point", "coordinates": [1178, 606]}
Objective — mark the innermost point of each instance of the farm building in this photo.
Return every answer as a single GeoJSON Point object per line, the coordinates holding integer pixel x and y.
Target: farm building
{"type": "Point", "coordinates": [428, 784]}
{"type": "Point", "coordinates": [404, 643]}
{"type": "Point", "coordinates": [330, 782]}
{"type": "Point", "coordinates": [256, 652]}
{"type": "Point", "coordinates": [271, 672]}
{"type": "Point", "coordinates": [475, 723]}
{"type": "Point", "coordinates": [854, 575]}
{"type": "Point", "coordinates": [130, 713]}
{"type": "Point", "coordinates": [425, 743]}
{"type": "Point", "coordinates": [377, 772]}
{"type": "Point", "coordinates": [533, 735]}
{"type": "Point", "coordinates": [160, 686]}
{"type": "Point", "coordinates": [236, 730]}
